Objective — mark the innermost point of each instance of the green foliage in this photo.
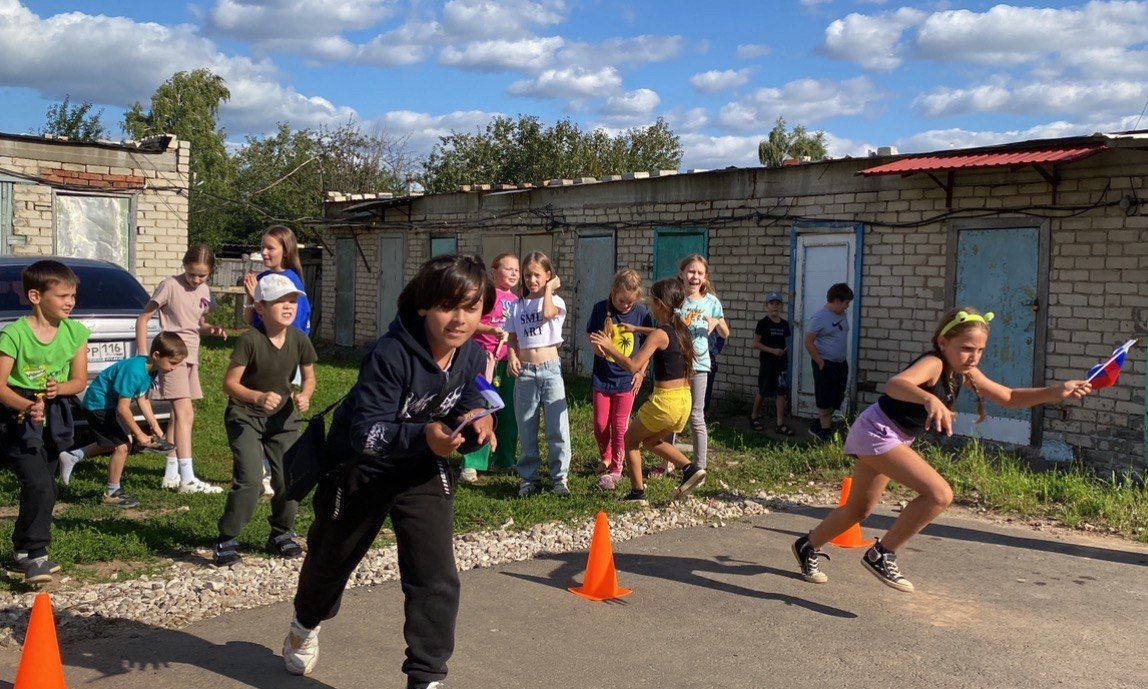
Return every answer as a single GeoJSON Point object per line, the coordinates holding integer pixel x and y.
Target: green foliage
{"type": "Point", "coordinates": [783, 144]}
{"type": "Point", "coordinates": [187, 106]}
{"type": "Point", "coordinates": [512, 151]}
{"type": "Point", "coordinates": [284, 177]}
{"type": "Point", "coordinates": [74, 122]}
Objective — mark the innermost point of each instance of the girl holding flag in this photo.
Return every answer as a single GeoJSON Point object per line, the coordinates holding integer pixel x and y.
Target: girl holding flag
{"type": "Point", "coordinates": [918, 399]}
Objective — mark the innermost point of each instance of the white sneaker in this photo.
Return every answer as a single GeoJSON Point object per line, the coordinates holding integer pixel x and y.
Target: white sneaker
{"type": "Point", "coordinates": [171, 483]}
{"type": "Point", "coordinates": [68, 461]}
{"type": "Point", "coordinates": [197, 486]}
{"type": "Point", "coordinates": [268, 491]}
{"type": "Point", "coordinates": [301, 649]}
{"type": "Point", "coordinates": [469, 476]}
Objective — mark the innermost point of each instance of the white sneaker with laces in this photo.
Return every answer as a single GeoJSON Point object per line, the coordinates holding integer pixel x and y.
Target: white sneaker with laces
{"type": "Point", "coordinates": [301, 649]}
{"type": "Point", "coordinates": [468, 476]}
{"type": "Point", "coordinates": [68, 461]}
{"type": "Point", "coordinates": [198, 486]}
{"type": "Point", "coordinates": [171, 483]}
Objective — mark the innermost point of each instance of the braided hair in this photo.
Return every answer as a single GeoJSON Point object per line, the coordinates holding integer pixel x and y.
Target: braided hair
{"type": "Point", "coordinates": [950, 378]}
{"type": "Point", "coordinates": [671, 294]}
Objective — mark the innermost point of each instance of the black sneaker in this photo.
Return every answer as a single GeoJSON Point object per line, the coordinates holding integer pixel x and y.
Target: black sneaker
{"type": "Point", "coordinates": [285, 546]}
{"type": "Point", "coordinates": [33, 570]}
{"type": "Point", "coordinates": [692, 477]}
{"type": "Point", "coordinates": [226, 553]}
{"type": "Point", "coordinates": [808, 558]}
{"type": "Point", "coordinates": [822, 435]}
{"type": "Point", "coordinates": [883, 565]}
{"type": "Point", "coordinates": [636, 497]}
{"type": "Point", "coordinates": [120, 499]}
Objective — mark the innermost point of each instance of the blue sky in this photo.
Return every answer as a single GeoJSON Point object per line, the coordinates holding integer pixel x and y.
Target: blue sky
{"type": "Point", "coordinates": [920, 76]}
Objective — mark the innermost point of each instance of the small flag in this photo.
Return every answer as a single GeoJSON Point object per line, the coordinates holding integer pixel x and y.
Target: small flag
{"type": "Point", "coordinates": [493, 401]}
{"type": "Point", "coordinates": [1104, 375]}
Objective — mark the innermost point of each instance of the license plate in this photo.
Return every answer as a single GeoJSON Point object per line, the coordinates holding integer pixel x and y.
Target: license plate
{"type": "Point", "coordinates": [100, 352]}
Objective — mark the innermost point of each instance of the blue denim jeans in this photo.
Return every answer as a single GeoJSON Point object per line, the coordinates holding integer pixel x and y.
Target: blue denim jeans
{"type": "Point", "coordinates": [540, 390]}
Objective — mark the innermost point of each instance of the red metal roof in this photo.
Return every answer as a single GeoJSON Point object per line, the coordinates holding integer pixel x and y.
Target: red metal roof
{"type": "Point", "coordinates": [945, 163]}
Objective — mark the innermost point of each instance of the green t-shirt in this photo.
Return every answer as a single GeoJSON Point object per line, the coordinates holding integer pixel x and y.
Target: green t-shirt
{"type": "Point", "coordinates": [37, 361]}
{"type": "Point", "coordinates": [267, 369]}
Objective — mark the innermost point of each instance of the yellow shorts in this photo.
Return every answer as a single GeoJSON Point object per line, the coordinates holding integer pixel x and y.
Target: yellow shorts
{"type": "Point", "coordinates": [667, 410]}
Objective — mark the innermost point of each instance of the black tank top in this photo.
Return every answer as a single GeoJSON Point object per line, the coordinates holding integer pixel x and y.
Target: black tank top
{"type": "Point", "coordinates": [670, 363]}
{"type": "Point", "coordinates": [911, 416]}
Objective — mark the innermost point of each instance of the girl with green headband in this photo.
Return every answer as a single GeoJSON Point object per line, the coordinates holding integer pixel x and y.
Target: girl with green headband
{"type": "Point", "coordinates": [918, 399]}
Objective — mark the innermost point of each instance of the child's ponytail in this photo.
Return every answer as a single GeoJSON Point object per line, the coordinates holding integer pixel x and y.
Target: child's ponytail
{"type": "Point", "coordinates": [671, 293]}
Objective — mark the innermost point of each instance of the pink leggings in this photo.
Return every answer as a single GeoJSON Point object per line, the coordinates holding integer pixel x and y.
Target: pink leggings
{"type": "Point", "coordinates": [611, 419]}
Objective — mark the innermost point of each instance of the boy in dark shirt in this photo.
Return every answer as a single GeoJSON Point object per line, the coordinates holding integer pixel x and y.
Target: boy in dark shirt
{"type": "Point", "coordinates": [261, 416]}
{"type": "Point", "coordinates": [771, 339]}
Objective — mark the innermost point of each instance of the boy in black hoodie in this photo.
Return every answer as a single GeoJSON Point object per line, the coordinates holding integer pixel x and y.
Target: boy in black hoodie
{"type": "Point", "coordinates": [415, 386]}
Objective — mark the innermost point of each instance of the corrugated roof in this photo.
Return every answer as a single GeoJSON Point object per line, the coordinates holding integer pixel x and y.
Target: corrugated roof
{"type": "Point", "coordinates": [945, 163]}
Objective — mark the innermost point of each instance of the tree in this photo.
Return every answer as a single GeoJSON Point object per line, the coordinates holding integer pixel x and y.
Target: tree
{"type": "Point", "coordinates": [781, 145]}
{"type": "Point", "coordinates": [514, 151]}
{"type": "Point", "coordinates": [73, 122]}
{"type": "Point", "coordinates": [284, 177]}
{"type": "Point", "coordinates": [187, 106]}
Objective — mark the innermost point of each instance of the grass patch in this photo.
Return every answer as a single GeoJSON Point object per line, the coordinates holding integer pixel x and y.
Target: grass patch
{"type": "Point", "coordinates": [94, 542]}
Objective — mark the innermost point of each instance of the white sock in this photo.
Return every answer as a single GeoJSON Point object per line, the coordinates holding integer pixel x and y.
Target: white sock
{"type": "Point", "coordinates": [113, 487]}
{"type": "Point", "coordinates": [186, 471]}
{"type": "Point", "coordinates": [171, 471]}
{"type": "Point", "coordinates": [77, 453]}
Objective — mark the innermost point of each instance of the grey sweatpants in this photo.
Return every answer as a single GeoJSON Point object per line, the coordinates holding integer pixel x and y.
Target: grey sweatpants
{"type": "Point", "coordinates": [253, 437]}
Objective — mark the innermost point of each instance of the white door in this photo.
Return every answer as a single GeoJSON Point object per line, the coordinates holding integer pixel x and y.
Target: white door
{"type": "Point", "coordinates": [392, 258]}
{"type": "Point", "coordinates": [823, 260]}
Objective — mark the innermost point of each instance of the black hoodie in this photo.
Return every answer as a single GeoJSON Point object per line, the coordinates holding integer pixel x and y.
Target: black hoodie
{"type": "Point", "coordinates": [382, 423]}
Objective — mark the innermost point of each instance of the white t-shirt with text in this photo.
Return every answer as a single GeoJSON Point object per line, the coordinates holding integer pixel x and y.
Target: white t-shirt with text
{"type": "Point", "coordinates": [532, 330]}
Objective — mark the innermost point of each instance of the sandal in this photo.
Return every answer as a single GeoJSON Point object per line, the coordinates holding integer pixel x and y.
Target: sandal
{"type": "Point", "coordinates": [785, 430]}
{"type": "Point", "coordinates": [757, 424]}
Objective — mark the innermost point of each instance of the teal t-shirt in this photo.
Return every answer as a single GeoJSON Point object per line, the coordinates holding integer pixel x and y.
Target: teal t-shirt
{"type": "Point", "coordinates": [699, 310]}
{"type": "Point", "coordinates": [36, 361]}
{"type": "Point", "coordinates": [128, 378]}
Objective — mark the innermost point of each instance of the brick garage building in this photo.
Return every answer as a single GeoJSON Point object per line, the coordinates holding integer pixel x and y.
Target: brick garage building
{"type": "Point", "coordinates": [1050, 235]}
{"type": "Point", "coordinates": [122, 202]}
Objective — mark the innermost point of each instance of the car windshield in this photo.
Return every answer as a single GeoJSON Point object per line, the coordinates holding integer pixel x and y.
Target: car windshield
{"type": "Point", "coordinates": [103, 290]}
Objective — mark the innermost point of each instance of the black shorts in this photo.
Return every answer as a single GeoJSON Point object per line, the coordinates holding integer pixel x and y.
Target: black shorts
{"type": "Point", "coordinates": [107, 428]}
{"type": "Point", "coordinates": [829, 384]}
{"type": "Point", "coordinates": [769, 374]}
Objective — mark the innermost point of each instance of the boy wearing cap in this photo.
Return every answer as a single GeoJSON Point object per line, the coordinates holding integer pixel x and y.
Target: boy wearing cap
{"type": "Point", "coordinates": [261, 416]}
{"type": "Point", "coordinates": [771, 340]}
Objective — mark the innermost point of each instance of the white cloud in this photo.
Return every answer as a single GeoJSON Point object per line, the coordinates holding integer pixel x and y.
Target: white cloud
{"type": "Point", "coordinates": [690, 120]}
{"type": "Point", "coordinates": [1087, 99]}
{"type": "Point", "coordinates": [804, 102]}
{"type": "Point", "coordinates": [422, 130]}
{"type": "Point", "coordinates": [306, 27]}
{"type": "Point", "coordinates": [714, 81]}
{"type": "Point", "coordinates": [569, 83]}
{"type": "Point", "coordinates": [632, 105]}
{"type": "Point", "coordinates": [874, 42]}
{"type": "Point", "coordinates": [527, 54]}
{"type": "Point", "coordinates": [491, 19]}
{"type": "Point", "coordinates": [943, 139]}
{"type": "Point", "coordinates": [409, 44]}
{"type": "Point", "coordinates": [75, 53]}
{"type": "Point", "coordinates": [621, 52]}
{"type": "Point", "coordinates": [710, 152]}
{"type": "Point", "coordinates": [751, 51]}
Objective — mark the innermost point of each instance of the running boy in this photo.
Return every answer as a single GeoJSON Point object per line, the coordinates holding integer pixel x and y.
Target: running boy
{"type": "Point", "coordinates": [392, 435]}
{"type": "Point", "coordinates": [107, 407]}
{"type": "Point", "coordinates": [827, 341]}
{"type": "Point", "coordinates": [43, 359]}
{"type": "Point", "coordinates": [261, 417]}
{"type": "Point", "coordinates": [771, 339]}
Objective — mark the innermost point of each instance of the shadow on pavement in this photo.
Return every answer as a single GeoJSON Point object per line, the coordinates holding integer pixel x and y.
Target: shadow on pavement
{"type": "Point", "coordinates": [963, 533]}
{"type": "Point", "coordinates": [245, 662]}
{"type": "Point", "coordinates": [685, 570]}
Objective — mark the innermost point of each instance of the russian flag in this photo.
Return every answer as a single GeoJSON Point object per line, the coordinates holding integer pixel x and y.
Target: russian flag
{"type": "Point", "coordinates": [493, 401]}
{"type": "Point", "coordinates": [1105, 375]}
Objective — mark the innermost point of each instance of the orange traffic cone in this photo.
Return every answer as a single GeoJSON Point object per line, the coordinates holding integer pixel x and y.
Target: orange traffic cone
{"type": "Point", "coordinates": [601, 582]}
{"type": "Point", "coordinates": [40, 666]}
{"type": "Point", "coordinates": [852, 538]}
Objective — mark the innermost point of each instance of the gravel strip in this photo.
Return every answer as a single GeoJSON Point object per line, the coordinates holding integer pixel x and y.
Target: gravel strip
{"type": "Point", "coordinates": [187, 593]}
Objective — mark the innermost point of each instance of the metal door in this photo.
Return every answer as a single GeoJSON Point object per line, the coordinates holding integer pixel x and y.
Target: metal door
{"type": "Point", "coordinates": [672, 244]}
{"type": "Point", "coordinates": [346, 255]}
{"type": "Point", "coordinates": [392, 259]}
{"type": "Point", "coordinates": [594, 274]}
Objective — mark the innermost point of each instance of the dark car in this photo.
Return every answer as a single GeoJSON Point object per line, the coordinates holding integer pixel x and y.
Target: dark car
{"type": "Point", "coordinates": [108, 303]}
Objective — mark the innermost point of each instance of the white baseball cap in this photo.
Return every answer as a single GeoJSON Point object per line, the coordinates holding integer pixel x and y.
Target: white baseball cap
{"type": "Point", "coordinates": [274, 286]}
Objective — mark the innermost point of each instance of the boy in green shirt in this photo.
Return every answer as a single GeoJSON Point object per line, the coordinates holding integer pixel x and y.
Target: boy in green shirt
{"type": "Point", "coordinates": [43, 359]}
